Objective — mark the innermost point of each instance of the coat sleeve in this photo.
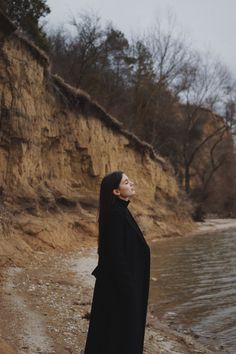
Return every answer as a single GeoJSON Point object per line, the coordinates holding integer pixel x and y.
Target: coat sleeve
{"type": "Point", "coordinates": [115, 254]}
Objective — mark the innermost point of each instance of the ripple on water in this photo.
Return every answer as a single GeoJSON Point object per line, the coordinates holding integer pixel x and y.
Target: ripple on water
{"type": "Point", "coordinates": [196, 280]}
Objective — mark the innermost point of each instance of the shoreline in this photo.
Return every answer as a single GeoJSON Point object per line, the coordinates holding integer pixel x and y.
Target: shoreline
{"type": "Point", "coordinates": [45, 305]}
{"type": "Point", "coordinates": [45, 309]}
{"type": "Point", "coordinates": [207, 227]}
{"type": "Point", "coordinates": [211, 225]}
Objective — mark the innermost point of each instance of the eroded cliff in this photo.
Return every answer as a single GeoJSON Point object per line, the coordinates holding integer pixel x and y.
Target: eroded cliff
{"type": "Point", "coordinates": [55, 146]}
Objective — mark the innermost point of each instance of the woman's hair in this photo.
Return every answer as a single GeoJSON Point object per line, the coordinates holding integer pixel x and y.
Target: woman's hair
{"type": "Point", "coordinates": [109, 182]}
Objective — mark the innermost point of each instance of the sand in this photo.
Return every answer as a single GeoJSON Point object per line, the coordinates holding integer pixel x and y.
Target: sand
{"type": "Point", "coordinates": [44, 306]}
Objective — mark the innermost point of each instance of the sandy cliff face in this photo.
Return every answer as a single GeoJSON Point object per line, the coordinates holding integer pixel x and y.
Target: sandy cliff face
{"type": "Point", "coordinates": [55, 146]}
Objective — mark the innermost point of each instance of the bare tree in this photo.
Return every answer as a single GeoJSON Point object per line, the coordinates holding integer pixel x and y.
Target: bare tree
{"type": "Point", "coordinates": [171, 53]}
{"type": "Point", "coordinates": [209, 87]}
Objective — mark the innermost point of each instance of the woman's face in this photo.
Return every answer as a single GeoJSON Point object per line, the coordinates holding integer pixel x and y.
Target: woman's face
{"type": "Point", "coordinates": [126, 188]}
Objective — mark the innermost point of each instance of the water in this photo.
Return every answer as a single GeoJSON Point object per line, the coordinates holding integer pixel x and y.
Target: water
{"type": "Point", "coordinates": [196, 284]}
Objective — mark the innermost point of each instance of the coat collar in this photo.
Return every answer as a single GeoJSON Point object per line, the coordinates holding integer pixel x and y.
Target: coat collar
{"type": "Point", "coordinates": [121, 202]}
{"type": "Point", "coordinates": [124, 203]}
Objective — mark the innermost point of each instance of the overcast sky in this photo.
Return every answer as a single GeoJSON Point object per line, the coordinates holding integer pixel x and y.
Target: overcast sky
{"type": "Point", "coordinates": [210, 24]}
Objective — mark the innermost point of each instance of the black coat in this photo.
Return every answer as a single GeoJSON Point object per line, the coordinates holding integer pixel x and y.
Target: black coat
{"type": "Point", "coordinates": [120, 297]}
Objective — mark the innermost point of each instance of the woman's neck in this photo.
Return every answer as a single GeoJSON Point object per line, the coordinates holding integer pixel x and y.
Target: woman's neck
{"type": "Point", "coordinates": [126, 199]}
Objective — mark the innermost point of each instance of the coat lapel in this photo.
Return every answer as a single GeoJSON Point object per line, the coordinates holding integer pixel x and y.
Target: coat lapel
{"type": "Point", "coordinates": [135, 226]}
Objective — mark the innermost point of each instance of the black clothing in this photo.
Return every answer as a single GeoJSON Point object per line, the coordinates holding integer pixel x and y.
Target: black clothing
{"type": "Point", "coordinates": [120, 298]}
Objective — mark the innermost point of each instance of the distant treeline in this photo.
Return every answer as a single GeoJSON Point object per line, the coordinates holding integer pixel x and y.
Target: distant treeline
{"type": "Point", "coordinates": [180, 101]}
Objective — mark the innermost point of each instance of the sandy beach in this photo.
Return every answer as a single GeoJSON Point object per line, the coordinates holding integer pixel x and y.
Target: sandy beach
{"type": "Point", "coordinates": [45, 306]}
{"type": "Point", "coordinates": [214, 225]}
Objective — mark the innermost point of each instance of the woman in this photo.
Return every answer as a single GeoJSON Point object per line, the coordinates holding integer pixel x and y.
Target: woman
{"type": "Point", "coordinates": [120, 297]}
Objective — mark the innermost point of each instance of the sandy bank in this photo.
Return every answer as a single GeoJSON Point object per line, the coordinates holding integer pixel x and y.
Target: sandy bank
{"type": "Point", "coordinates": [214, 225]}
{"type": "Point", "coordinates": [44, 306]}
{"type": "Point", "coordinates": [45, 309]}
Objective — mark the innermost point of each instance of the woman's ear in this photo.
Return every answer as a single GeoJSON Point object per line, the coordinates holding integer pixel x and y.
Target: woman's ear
{"type": "Point", "coordinates": [116, 192]}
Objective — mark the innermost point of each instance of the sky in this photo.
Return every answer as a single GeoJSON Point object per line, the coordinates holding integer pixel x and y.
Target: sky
{"type": "Point", "coordinates": [210, 25]}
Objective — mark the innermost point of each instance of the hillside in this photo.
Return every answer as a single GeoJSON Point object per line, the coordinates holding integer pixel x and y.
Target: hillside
{"type": "Point", "coordinates": [55, 146]}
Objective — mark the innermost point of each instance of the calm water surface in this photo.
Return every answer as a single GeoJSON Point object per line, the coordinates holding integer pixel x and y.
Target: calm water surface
{"type": "Point", "coordinates": [196, 284]}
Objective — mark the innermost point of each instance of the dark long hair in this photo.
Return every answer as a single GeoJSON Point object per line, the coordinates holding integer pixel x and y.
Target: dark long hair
{"type": "Point", "coordinates": [109, 182]}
